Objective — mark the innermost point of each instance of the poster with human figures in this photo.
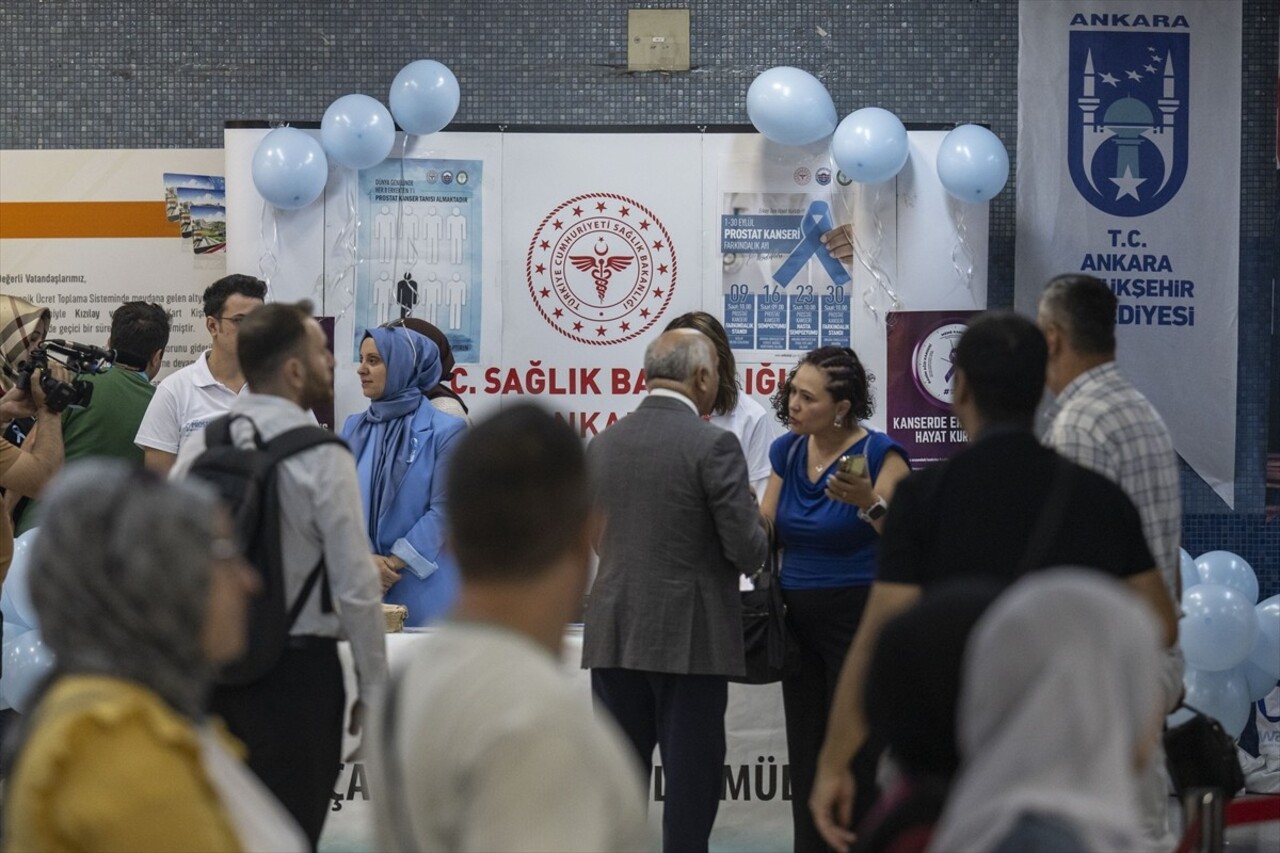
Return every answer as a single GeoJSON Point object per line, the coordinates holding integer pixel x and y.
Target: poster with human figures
{"type": "Point", "coordinates": [419, 248]}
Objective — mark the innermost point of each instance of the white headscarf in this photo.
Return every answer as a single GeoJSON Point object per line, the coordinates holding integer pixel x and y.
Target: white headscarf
{"type": "Point", "coordinates": [1060, 684]}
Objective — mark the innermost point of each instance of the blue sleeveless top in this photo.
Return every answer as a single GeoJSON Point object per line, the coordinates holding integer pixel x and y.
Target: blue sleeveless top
{"type": "Point", "coordinates": [824, 543]}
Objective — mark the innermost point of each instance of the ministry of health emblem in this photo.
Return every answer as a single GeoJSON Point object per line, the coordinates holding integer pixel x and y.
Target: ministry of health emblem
{"type": "Point", "coordinates": [601, 268]}
{"type": "Point", "coordinates": [1127, 118]}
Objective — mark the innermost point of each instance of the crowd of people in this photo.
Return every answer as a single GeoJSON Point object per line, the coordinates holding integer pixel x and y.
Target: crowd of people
{"type": "Point", "coordinates": [982, 651]}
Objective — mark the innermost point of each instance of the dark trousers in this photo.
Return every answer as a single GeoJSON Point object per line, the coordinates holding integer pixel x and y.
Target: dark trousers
{"type": "Point", "coordinates": [291, 722]}
{"type": "Point", "coordinates": [822, 622]}
{"type": "Point", "coordinates": [684, 716]}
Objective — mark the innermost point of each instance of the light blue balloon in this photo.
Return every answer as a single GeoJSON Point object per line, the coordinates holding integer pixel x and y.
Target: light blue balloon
{"type": "Point", "coordinates": [1222, 695]}
{"type": "Point", "coordinates": [1257, 682]}
{"type": "Point", "coordinates": [424, 96]}
{"type": "Point", "coordinates": [973, 164]}
{"type": "Point", "coordinates": [1266, 650]}
{"type": "Point", "coordinates": [289, 168]}
{"type": "Point", "coordinates": [1218, 627]}
{"type": "Point", "coordinates": [1223, 567]}
{"type": "Point", "coordinates": [790, 106]}
{"type": "Point", "coordinates": [870, 145]}
{"type": "Point", "coordinates": [27, 660]}
{"type": "Point", "coordinates": [15, 597]}
{"type": "Point", "coordinates": [357, 131]}
{"type": "Point", "coordinates": [1187, 569]}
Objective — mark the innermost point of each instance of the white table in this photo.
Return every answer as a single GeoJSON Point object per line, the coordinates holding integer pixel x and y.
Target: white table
{"type": "Point", "coordinates": [755, 812]}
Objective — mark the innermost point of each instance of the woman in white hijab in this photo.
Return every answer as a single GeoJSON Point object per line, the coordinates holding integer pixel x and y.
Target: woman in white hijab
{"type": "Point", "coordinates": [1059, 709]}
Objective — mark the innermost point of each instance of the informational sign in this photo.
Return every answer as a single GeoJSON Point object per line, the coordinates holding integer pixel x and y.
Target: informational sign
{"type": "Point", "coordinates": [577, 250]}
{"type": "Point", "coordinates": [83, 231]}
{"type": "Point", "coordinates": [921, 370]}
{"type": "Point", "coordinates": [782, 289]}
{"type": "Point", "coordinates": [1128, 144]}
{"type": "Point", "coordinates": [420, 229]}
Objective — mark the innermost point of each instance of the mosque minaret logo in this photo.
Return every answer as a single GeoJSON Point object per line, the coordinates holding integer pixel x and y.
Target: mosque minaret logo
{"type": "Point", "coordinates": [1128, 148]}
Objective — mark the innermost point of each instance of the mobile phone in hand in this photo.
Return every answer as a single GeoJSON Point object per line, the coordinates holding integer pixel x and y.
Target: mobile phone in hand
{"type": "Point", "coordinates": [855, 464]}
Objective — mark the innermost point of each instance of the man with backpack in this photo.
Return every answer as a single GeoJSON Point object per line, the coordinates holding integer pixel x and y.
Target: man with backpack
{"type": "Point", "coordinates": [292, 489]}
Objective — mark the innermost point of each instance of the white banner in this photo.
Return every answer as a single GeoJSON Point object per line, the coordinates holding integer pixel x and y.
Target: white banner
{"type": "Point", "coordinates": [1116, 179]}
{"type": "Point", "coordinates": [552, 259]}
{"type": "Point", "coordinates": [83, 231]}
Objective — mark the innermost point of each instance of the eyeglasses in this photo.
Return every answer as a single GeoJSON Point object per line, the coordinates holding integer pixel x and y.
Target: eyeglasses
{"type": "Point", "coordinates": [234, 320]}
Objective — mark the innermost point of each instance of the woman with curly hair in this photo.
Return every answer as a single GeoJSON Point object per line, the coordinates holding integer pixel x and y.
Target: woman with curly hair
{"type": "Point", "coordinates": [827, 522]}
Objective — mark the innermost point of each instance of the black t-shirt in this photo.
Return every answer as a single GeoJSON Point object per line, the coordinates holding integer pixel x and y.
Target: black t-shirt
{"type": "Point", "coordinates": [974, 515]}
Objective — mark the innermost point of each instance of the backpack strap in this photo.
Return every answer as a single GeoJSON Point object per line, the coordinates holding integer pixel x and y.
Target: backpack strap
{"type": "Point", "coordinates": [296, 440]}
{"type": "Point", "coordinates": [1050, 518]}
{"type": "Point", "coordinates": [217, 433]}
{"type": "Point", "coordinates": [284, 445]}
{"type": "Point", "coordinates": [326, 599]}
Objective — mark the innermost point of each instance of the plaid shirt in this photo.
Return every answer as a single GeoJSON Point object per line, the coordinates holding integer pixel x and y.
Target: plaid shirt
{"type": "Point", "coordinates": [1104, 423]}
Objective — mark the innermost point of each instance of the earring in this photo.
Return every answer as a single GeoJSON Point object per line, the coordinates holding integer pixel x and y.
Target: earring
{"type": "Point", "coordinates": [839, 422]}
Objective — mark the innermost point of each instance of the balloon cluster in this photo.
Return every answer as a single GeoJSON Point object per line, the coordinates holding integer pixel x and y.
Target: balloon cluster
{"type": "Point", "coordinates": [290, 168]}
{"type": "Point", "coordinates": [1231, 642]}
{"type": "Point", "coordinates": [27, 660]}
{"type": "Point", "coordinates": [790, 106]}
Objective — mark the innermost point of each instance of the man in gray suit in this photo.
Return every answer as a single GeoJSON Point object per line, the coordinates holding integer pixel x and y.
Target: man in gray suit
{"type": "Point", "coordinates": [664, 622]}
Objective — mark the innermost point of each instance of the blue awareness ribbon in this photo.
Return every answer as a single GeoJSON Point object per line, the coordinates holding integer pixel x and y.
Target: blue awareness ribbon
{"type": "Point", "coordinates": [815, 222]}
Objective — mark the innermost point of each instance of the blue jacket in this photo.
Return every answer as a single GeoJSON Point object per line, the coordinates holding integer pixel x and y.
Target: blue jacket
{"type": "Point", "coordinates": [412, 525]}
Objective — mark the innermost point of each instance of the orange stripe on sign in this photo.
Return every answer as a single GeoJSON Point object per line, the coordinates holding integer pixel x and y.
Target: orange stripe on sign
{"type": "Point", "coordinates": [42, 219]}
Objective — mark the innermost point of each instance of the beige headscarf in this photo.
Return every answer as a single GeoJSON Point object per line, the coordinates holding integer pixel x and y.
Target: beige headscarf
{"type": "Point", "coordinates": [19, 320]}
{"type": "Point", "coordinates": [1060, 684]}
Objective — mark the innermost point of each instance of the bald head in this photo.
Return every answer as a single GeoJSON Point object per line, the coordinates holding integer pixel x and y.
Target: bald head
{"type": "Point", "coordinates": [683, 360]}
{"type": "Point", "coordinates": [677, 355]}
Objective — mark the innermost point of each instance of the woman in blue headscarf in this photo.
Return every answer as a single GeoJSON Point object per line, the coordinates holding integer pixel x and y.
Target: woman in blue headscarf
{"type": "Point", "coordinates": [402, 444]}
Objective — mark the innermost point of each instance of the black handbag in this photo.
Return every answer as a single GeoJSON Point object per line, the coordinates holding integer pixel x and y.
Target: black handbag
{"type": "Point", "coordinates": [1200, 754]}
{"type": "Point", "coordinates": [764, 627]}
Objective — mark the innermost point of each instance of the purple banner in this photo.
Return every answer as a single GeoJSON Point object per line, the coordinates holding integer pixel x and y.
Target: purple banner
{"type": "Point", "coordinates": [921, 368]}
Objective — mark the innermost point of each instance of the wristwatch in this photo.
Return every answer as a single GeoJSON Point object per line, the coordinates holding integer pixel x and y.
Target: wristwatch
{"type": "Point", "coordinates": [875, 512]}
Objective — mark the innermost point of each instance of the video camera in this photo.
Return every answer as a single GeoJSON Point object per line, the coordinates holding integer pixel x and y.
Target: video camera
{"type": "Point", "coordinates": [78, 359]}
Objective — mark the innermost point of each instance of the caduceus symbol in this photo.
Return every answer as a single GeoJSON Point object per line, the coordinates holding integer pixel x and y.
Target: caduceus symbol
{"type": "Point", "coordinates": [601, 265]}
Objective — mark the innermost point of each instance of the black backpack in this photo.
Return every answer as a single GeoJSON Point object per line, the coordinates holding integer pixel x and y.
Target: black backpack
{"type": "Point", "coordinates": [245, 479]}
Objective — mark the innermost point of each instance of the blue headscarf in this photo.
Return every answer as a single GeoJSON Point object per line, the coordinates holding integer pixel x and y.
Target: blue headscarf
{"type": "Point", "coordinates": [413, 366]}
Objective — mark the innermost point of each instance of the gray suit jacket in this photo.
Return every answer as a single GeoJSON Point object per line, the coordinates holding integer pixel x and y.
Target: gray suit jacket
{"type": "Point", "coordinates": [680, 527]}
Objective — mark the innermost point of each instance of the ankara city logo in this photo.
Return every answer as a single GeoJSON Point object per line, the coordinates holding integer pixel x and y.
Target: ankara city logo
{"type": "Point", "coordinates": [1127, 121]}
{"type": "Point", "coordinates": [601, 268]}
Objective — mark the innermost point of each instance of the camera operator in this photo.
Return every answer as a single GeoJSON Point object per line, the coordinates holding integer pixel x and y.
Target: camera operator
{"type": "Point", "coordinates": [24, 470]}
{"type": "Point", "coordinates": [106, 427]}
{"type": "Point", "coordinates": [23, 327]}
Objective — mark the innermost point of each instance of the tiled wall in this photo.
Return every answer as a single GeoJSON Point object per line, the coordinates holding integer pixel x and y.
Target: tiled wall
{"type": "Point", "coordinates": [107, 74]}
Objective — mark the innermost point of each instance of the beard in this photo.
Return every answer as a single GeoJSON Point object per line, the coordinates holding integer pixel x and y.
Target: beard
{"type": "Point", "coordinates": [318, 389]}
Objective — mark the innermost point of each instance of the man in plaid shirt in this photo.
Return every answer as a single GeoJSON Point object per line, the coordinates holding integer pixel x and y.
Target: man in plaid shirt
{"type": "Point", "coordinates": [1102, 422]}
